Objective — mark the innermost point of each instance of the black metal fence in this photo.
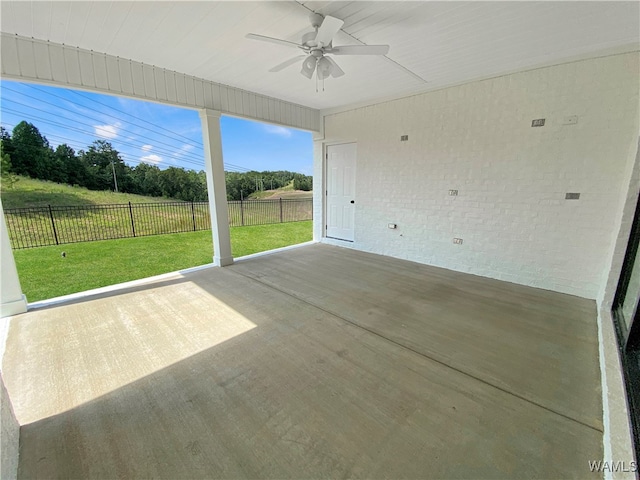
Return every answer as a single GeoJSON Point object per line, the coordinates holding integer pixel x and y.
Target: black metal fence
{"type": "Point", "coordinates": [43, 226]}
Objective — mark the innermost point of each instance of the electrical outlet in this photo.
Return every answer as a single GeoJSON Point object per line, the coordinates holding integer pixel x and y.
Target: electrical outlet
{"type": "Point", "coordinates": [538, 122]}
{"type": "Point", "coordinates": [457, 241]}
{"type": "Point", "coordinates": [392, 226]}
{"type": "Point", "coordinates": [453, 193]}
{"type": "Point", "coordinates": [404, 138]}
{"type": "Point", "coordinates": [572, 196]}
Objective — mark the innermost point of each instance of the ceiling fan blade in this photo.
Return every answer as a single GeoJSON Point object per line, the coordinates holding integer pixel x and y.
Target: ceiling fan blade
{"type": "Point", "coordinates": [277, 41]}
{"type": "Point", "coordinates": [289, 62]}
{"type": "Point", "coordinates": [360, 50]}
{"type": "Point", "coordinates": [328, 29]}
{"type": "Point", "coordinates": [336, 71]}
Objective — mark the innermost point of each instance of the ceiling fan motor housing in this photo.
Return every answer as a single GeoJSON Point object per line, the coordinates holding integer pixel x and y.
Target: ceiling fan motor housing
{"type": "Point", "coordinates": [316, 20]}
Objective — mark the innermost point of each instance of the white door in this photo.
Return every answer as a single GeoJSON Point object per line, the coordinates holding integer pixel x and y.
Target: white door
{"type": "Point", "coordinates": [341, 191]}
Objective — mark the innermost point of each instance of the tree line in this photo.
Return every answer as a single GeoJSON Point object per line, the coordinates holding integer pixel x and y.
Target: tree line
{"type": "Point", "coordinates": [25, 151]}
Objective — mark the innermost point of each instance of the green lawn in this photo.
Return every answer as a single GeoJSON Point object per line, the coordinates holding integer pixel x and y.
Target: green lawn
{"type": "Point", "coordinates": [45, 273]}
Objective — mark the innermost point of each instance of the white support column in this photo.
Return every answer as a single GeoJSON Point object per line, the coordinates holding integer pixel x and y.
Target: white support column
{"type": "Point", "coordinates": [12, 299]}
{"type": "Point", "coordinates": [319, 187]}
{"type": "Point", "coordinates": [319, 183]}
{"type": "Point", "coordinates": [216, 186]}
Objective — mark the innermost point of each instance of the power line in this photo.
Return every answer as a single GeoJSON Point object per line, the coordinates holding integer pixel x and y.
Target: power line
{"type": "Point", "coordinates": [190, 158]}
{"type": "Point", "coordinates": [78, 146]}
{"type": "Point", "coordinates": [237, 167]}
{"type": "Point", "coordinates": [179, 155]}
{"type": "Point", "coordinates": [194, 142]}
{"type": "Point", "coordinates": [130, 115]}
{"type": "Point", "coordinates": [74, 113]}
{"type": "Point", "coordinates": [195, 159]}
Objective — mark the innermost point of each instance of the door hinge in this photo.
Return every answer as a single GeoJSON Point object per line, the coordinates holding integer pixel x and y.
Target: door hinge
{"type": "Point", "coordinates": [326, 156]}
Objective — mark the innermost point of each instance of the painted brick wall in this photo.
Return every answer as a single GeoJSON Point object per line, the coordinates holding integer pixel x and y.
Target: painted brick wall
{"type": "Point", "coordinates": [511, 210]}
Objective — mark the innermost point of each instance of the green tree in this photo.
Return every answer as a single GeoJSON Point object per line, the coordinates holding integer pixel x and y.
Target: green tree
{"type": "Point", "coordinates": [58, 169]}
{"type": "Point", "coordinates": [197, 190]}
{"type": "Point", "coordinates": [8, 177]}
{"type": "Point", "coordinates": [101, 160]}
{"type": "Point", "coordinates": [182, 184]}
{"type": "Point", "coordinates": [145, 180]}
{"type": "Point", "coordinates": [71, 169]}
{"type": "Point", "coordinates": [302, 182]}
{"type": "Point", "coordinates": [240, 185]}
{"type": "Point", "coordinates": [5, 142]}
{"type": "Point", "coordinates": [31, 153]}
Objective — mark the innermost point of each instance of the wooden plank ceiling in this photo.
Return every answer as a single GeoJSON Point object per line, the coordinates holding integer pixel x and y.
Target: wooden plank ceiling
{"type": "Point", "coordinates": [444, 43]}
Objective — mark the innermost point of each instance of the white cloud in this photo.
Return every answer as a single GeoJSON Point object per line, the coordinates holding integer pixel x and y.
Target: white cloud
{"type": "Point", "coordinates": [277, 130]}
{"type": "Point", "coordinates": [107, 131]}
{"type": "Point", "coordinates": [146, 148]}
{"type": "Point", "coordinates": [153, 159]}
{"type": "Point", "coordinates": [183, 150]}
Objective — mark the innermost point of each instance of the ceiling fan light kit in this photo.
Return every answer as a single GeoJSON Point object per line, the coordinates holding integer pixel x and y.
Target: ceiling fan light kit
{"type": "Point", "coordinates": [318, 45]}
{"type": "Point", "coordinates": [324, 68]}
{"type": "Point", "coordinates": [308, 66]}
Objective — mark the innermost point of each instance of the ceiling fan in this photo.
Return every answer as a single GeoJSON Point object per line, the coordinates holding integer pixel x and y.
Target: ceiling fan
{"type": "Point", "coordinates": [317, 45]}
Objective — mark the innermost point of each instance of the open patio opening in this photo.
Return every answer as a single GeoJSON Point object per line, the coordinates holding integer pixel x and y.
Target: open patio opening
{"type": "Point", "coordinates": [121, 149]}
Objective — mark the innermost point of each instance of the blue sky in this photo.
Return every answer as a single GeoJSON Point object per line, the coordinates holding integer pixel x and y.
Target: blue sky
{"type": "Point", "coordinates": [149, 132]}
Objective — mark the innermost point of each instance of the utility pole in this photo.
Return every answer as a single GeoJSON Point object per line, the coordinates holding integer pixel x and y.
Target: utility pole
{"type": "Point", "coordinates": [115, 180]}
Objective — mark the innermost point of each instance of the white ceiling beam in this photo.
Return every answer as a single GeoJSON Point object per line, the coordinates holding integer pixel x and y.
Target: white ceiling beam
{"type": "Point", "coordinates": [32, 60]}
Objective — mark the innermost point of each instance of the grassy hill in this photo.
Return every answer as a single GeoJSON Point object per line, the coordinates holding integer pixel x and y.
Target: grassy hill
{"type": "Point", "coordinates": [28, 192]}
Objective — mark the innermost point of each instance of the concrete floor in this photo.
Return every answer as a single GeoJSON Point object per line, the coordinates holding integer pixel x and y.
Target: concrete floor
{"type": "Point", "coordinates": [317, 362]}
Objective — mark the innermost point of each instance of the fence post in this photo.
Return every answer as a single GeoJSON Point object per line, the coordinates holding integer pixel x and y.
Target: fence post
{"type": "Point", "coordinates": [193, 216]}
{"type": "Point", "coordinates": [133, 226]}
{"type": "Point", "coordinates": [53, 225]}
{"type": "Point", "coordinates": [241, 212]}
{"type": "Point", "coordinates": [280, 209]}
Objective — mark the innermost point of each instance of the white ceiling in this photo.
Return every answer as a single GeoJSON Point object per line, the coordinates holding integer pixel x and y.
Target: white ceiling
{"type": "Point", "coordinates": [444, 43]}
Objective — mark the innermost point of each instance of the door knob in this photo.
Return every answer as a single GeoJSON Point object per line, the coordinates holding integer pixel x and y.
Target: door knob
{"type": "Point", "coordinates": [353, 201]}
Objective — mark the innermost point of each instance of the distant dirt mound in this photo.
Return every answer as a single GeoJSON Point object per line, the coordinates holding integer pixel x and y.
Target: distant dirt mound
{"type": "Point", "coordinates": [289, 194]}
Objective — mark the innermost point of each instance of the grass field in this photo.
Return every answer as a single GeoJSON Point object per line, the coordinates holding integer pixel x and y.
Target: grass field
{"type": "Point", "coordinates": [28, 192]}
{"type": "Point", "coordinates": [103, 215]}
{"type": "Point", "coordinates": [44, 273]}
